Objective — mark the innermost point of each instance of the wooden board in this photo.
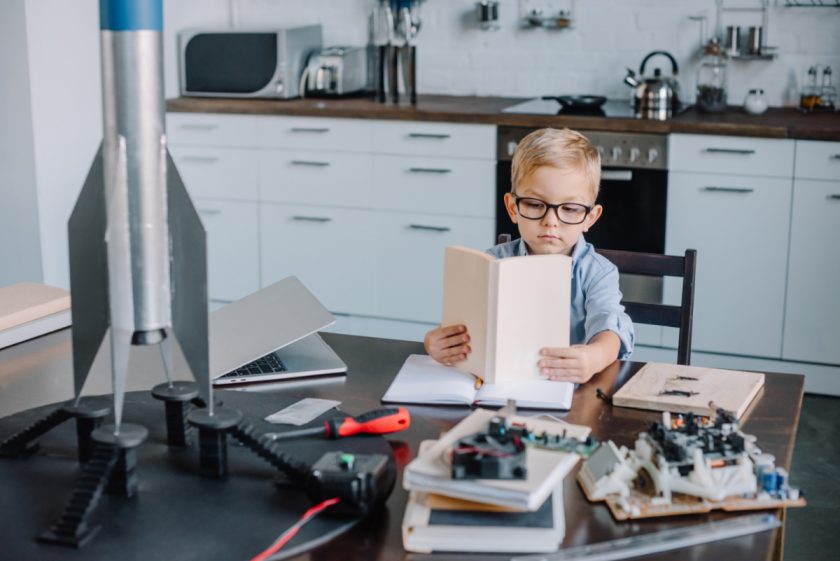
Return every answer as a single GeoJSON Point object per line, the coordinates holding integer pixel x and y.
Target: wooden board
{"type": "Point", "coordinates": [730, 389]}
{"type": "Point", "coordinates": [623, 508]}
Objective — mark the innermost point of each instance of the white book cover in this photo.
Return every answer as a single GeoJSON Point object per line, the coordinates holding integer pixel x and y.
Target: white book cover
{"type": "Point", "coordinates": [512, 308]}
{"type": "Point", "coordinates": [35, 328]}
{"type": "Point", "coordinates": [430, 472]}
{"type": "Point", "coordinates": [438, 523]}
{"type": "Point", "coordinates": [424, 380]}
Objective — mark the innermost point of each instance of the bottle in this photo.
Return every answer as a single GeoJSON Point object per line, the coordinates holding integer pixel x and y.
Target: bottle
{"type": "Point", "coordinates": [828, 94]}
{"type": "Point", "coordinates": [711, 79]}
{"type": "Point", "coordinates": [810, 97]}
{"type": "Point", "coordinates": [755, 103]}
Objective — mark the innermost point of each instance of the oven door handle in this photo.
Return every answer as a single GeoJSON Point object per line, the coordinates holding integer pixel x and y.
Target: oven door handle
{"type": "Point", "coordinates": [616, 175]}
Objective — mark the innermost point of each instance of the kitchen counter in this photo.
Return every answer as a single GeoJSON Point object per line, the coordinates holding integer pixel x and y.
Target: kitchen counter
{"type": "Point", "coordinates": [775, 123]}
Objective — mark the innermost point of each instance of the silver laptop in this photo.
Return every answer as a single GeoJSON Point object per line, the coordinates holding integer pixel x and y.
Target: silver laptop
{"type": "Point", "coordinates": [271, 335]}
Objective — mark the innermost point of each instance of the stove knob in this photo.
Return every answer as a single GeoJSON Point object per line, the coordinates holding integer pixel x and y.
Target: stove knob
{"type": "Point", "coordinates": [601, 151]}
{"type": "Point", "coordinates": [616, 153]}
{"type": "Point", "coordinates": [652, 155]}
{"type": "Point", "coordinates": [634, 154]}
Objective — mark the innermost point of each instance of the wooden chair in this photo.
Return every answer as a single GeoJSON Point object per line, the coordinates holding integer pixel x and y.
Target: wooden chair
{"type": "Point", "coordinates": [658, 265]}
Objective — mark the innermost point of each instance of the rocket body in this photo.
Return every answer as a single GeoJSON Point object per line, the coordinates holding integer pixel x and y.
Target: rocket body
{"type": "Point", "coordinates": [134, 165]}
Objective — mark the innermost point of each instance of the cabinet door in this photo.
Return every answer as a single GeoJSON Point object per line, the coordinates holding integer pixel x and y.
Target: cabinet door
{"type": "Point", "coordinates": [739, 227]}
{"type": "Point", "coordinates": [410, 260]}
{"type": "Point", "coordinates": [232, 247]}
{"type": "Point", "coordinates": [315, 177]}
{"type": "Point", "coordinates": [812, 331]}
{"type": "Point", "coordinates": [329, 249]}
{"type": "Point", "coordinates": [222, 173]}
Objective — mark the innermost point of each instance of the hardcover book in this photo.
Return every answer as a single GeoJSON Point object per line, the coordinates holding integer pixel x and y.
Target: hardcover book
{"type": "Point", "coordinates": [29, 310]}
{"type": "Point", "coordinates": [512, 308]}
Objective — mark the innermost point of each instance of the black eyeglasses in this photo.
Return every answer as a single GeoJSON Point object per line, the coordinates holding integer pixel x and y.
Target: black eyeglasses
{"type": "Point", "coordinates": [535, 209]}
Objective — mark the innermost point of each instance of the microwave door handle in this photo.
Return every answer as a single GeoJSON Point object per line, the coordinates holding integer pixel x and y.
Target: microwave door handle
{"type": "Point", "coordinates": [617, 175]}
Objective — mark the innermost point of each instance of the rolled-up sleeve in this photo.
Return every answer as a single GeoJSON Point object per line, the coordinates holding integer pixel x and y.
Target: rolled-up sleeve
{"type": "Point", "coordinates": [604, 311]}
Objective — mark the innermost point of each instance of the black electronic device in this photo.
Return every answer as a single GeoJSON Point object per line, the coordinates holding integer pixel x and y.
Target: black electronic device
{"type": "Point", "coordinates": [361, 481]}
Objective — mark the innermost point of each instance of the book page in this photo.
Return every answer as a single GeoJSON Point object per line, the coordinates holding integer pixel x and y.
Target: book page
{"type": "Point", "coordinates": [534, 394]}
{"type": "Point", "coordinates": [689, 389]}
{"type": "Point", "coordinates": [26, 301]}
{"type": "Point", "coordinates": [424, 380]}
{"type": "Point", "coordinates": [466, 278]}
{"type": "Point", "coordinates": [533, 307]}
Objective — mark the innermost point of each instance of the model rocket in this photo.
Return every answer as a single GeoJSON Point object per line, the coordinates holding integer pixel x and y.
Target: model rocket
{"type": "Point", "coordinates": [137, 247]}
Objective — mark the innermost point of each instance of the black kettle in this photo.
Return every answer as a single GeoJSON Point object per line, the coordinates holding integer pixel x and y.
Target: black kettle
{"type": "Point", "coordinates": [656, 97]}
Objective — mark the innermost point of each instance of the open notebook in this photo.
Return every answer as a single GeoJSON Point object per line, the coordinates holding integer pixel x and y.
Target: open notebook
{"type": "Point", "coordinates": [423, 380]}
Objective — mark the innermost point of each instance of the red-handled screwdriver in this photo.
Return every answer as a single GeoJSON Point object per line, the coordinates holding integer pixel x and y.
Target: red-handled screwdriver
{"type": "Point", "coordinates": [378, 421]}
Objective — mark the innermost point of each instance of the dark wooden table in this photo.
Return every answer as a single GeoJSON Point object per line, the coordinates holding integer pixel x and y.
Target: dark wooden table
{"type": "Point", "coordinates": [40, 372]}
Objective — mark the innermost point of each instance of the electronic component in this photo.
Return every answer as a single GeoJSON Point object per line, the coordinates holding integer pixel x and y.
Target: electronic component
{"type": "Point", "coordinates": [361, 481]}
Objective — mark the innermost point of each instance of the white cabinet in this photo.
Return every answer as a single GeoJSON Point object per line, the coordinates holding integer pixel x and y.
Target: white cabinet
{"type": "Point", "coordinates": [739, 223]}
{"type": "Point", "coordinates": [812, 331]}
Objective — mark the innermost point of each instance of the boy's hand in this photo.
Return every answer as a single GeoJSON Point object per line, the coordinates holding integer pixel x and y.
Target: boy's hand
{"type": "Point", "coordinates": [567, 364]}
{"type": "Point", "coordinates": [448, 345]}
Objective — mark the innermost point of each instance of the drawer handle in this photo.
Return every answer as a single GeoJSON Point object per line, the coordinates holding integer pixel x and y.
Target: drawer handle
{"type": "Point", "coordinates": [429, 228]}
{"type": "Point", "coordinates": [209, 211]}
{"type": "Point", "coordinates": [617, 175]}
{"type": "Point", "coordinates": [729, 189]}
{"type": "Point", "coordinates": [429, 170]}
{"type": "Point", "coordinates": [743, 151]}
{"type": "Point", "coordinates": [438, 136]}
{"type": "Point", "coordinates": [312, 218]}
{"type": "Point", "coordinates": [835, 156]}
{"type": "Point", "coordinates": [310, 163]}
{"type": "Point", "coordinates": [834, 197]}
{"type": "Point", "coordinates": [310, 129]}
{"type": "Point", "coordinates": [198, 127]}
{"type": "Point", "coordinates": [200, 159]}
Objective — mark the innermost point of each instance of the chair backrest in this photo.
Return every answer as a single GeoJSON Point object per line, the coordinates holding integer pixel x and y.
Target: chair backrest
{"type": "Point", "coordinates": [658, 265]}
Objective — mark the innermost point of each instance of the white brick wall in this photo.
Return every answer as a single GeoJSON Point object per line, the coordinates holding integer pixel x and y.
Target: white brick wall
{"type": "Point", "coordinates": [455, 57]}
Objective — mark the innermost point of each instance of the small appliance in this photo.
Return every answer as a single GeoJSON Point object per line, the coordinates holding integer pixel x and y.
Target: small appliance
{"type": "Point", "coordinates": [336, 71]}
{"type": "Point", "coordinates": [245, 63]}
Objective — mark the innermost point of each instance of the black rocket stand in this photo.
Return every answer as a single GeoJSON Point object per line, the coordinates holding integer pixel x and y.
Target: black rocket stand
{"type": "Point", "coordinates": [177, 398]}
{"type": "Point", "coordinates": [89, 414]}
{"type": "Point", "coordinates": [213, 425]}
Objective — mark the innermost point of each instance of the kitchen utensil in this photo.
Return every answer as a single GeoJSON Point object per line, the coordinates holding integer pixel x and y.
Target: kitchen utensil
{"type": "Point", "coordinates": [755, 103]}
{"type": "Point", "coordinates": [656, 97]}
{"type": "Point", "coordinates": [336, 71]}
{"type": "Point", "coordinates": [711, 79]}
{"type": "Point", "coordinates": [732, 46]}
{"type": "Point", "coordinates": [754, 40]}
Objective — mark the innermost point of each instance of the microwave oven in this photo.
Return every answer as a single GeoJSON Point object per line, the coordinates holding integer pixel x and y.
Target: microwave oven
{"type": "Point", "coordinates": [245, 63]}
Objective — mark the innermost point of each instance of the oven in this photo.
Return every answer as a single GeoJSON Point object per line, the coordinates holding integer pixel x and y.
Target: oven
{"type": "Point", "coordinates": [633, 192]}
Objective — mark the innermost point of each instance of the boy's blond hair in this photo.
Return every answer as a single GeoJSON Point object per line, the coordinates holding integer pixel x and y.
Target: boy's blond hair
{"type": "Point", "coordinates": [564, 149]}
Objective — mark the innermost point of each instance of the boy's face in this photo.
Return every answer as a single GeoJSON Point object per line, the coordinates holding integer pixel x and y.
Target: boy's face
{"type": "Point", "coordinates": [550, 235]}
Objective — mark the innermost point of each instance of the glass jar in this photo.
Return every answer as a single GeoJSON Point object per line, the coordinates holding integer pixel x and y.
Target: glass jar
{"type": "Point", "coordinates": [711, 79]}
{"type": "Point", "coordinates": [809, 99]}
{"type": "Point", "coordinates": [755, 103]}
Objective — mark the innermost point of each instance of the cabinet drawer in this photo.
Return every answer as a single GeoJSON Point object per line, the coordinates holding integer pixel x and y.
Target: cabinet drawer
{"type": "Point", "coordinates": [204, 129]}
{"type": "Point", "coordinates": [741, 238]}
{"type": "Point", "coordinates": [313, 133]}
{"type": "Point", "coordinates": [818, 160]}
{"type": "Point", "coordinates": [434, 139]}
{"type": "Point", "coordinates": [322, 178]}
{"type": "Point", "coordinates": [731, 154]}
{"type": "Point", "coordinates": [437, 185]}
{"type": "Point", "coordinates": [813, 306]}
{"type": "Point", "coordinates": [226, 173]}
{"type": "Point", "coordinates": [328, 249]}
{"type": "Point", "coordinates": [410, 251]}
{"type": "Point", "coordinates": [232, 247]}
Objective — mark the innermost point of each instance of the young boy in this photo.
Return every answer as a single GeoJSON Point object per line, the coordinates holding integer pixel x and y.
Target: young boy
{"type": "Point", "coordinates": [555, 179]}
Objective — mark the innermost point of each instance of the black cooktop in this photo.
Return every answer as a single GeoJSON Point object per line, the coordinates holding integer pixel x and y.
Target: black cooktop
{"type": "Point", "coordinates": [550, 106]}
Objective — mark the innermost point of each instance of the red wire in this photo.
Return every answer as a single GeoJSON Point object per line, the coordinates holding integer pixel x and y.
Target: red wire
{"type": "Point", "coordinates": [286, 536]}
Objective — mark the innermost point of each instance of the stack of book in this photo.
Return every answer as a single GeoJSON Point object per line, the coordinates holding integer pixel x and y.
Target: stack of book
{"type": "Point", "coordinates": [29, 310]}
{"type": "Point", "coordinates": [487, 515]}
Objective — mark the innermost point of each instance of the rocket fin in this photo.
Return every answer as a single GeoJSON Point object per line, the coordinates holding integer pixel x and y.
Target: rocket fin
{"type": "Point", "coordinates": [189, 281]}
{"type": "Point", "coordinates": [88, 273]}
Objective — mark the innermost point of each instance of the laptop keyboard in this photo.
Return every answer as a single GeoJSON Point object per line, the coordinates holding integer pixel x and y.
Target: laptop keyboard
{"type": "Point", "coordinates": [263, 365]}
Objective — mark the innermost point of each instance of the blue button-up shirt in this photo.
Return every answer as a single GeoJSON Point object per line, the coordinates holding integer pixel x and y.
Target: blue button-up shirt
{"type": "Point", "coordinates": [596, 298]}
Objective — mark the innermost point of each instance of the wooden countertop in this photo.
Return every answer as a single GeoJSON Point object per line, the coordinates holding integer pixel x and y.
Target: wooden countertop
{"type": "Point", "coordinates": [775, 123]}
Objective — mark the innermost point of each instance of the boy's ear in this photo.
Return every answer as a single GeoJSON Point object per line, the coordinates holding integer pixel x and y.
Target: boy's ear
{"type": "Point", "coordinates": [510, 205]}
{"type": "Point", "coordinates": [593, 217]}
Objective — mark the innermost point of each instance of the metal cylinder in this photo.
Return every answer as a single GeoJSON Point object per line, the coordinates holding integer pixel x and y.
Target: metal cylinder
{"type": "Point", "coordinates": [134, 156]}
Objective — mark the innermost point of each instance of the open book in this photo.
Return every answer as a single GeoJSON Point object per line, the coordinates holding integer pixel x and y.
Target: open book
{"type": "Point", "coordinates": [430, 471]}
{"type": "Point", "coordinates": [29, 310]}
{"type": "Point", "coordinates": [439, 523]}
{"type": "Point", "coordinates": [512, 308]}
{"type": "Point", "coordinates": [689, 389]}
{"type": "Point", "coordinates": [423, 380]}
